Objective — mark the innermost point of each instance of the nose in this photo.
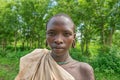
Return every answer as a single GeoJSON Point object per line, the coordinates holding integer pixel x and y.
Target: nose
{"type": "Point", "coordinates": [58, 39]}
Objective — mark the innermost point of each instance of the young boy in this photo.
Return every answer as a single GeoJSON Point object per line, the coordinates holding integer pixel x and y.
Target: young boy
{"type": "Point", "coordinates": [55, 64]}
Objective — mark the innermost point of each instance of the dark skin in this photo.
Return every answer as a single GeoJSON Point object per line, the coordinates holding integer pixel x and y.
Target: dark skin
{"type": "Point", "coordinates": [60, 37]}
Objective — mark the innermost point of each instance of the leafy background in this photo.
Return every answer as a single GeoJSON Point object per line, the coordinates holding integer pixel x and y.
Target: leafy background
{"type": "Point", "coordinates": [23, 26]}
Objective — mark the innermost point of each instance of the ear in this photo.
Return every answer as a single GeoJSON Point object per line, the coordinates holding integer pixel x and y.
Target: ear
{"type": "Point", "coordinates": [74, 36]}
{"type": "Point", "coordinates": [73, 44]}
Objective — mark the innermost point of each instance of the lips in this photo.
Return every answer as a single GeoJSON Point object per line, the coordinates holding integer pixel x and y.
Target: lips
{"type": "Point", "coordinates": [58, 47]}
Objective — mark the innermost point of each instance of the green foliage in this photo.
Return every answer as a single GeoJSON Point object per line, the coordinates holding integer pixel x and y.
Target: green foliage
{"type": "Point", "coordinates": [77, 55]}
{"type": "Point", "coordinates": [105, 76]}
{"type": "Point", "coordinates": [108, 62]}
{"type": "Point", "coordinates": [25, 21]}
{"type": "Point", "coordinates": [116, 38]}
{"type": "Point", "coordinates": [22, 27]}
{"type": "Point", "coordinates": [9, 64]}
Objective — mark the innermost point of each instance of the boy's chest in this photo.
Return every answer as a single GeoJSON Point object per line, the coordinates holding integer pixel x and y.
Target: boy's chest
{"type": "Point", "coordinates": [73, 70]}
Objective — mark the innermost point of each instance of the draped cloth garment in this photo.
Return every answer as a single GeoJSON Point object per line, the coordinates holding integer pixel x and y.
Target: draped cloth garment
{"type": "Point", "coordinates": [39, 65]}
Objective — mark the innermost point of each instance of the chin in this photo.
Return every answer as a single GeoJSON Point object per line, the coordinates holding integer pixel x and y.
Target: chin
{"type": "Point", "coordinates": [58, 51]}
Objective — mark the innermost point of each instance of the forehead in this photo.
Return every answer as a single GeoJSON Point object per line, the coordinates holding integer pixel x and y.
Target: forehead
{"type": "Point", "coordinates": [60, 22]}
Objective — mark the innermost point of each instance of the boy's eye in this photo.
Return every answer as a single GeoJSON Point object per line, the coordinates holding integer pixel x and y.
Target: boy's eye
{"type": "Point", "coordinates": [51, 33]}
{"type": "Point", "coordinates": [67, 34]}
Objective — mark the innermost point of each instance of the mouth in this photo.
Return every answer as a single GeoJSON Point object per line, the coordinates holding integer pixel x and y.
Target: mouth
{"type": "Point", "coordinates": [58, 48]}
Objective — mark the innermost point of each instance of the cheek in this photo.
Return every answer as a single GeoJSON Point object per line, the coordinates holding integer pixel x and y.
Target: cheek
{"type": "Point", "coordinates": [69, 41]}
{"type": "Point", "coordinates": [49, 40]}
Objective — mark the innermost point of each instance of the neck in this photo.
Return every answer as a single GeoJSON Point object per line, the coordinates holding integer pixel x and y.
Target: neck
{"type": "Point", "coordinates": [60, 58]}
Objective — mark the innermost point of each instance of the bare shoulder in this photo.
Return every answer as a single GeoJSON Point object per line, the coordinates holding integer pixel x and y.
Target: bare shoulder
{"type": "Point", "coordinates": [85, 66]}
{"type": "Point", "coordinates": [86, 70]}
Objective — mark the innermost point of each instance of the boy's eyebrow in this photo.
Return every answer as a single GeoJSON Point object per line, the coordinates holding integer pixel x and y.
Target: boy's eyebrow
{"type": "Point", "coordinates": [51, 30]}
{"type": "Point", "coordinates": [68, 31]}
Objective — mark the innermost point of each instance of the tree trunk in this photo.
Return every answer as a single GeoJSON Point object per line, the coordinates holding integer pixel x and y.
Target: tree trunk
{"type": "Point", "coordinates": [3, 44]}
{"type": "Point", "coordinates": [38, 41]}
{"type": "Point", "coordinates": [15, 41]}
{"type": "Point", "coordinates": [30, 43]}
{"type": "Point", "coordinates": [102, 35]}
{"type": "Point", "coordinates": [23, 44]}
{"type": "Point", "coordinates": [27, 44]}
{"type": "Point", "coordinates": [111, 35]}
{"type": "Point", "coordinates": [82, 44]}
{"type": "Point", "coordinates": [87, 48]}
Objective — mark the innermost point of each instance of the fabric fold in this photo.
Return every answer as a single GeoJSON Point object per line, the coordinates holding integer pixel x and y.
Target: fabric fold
{"type": "Point", "coordinates": [39, 65]}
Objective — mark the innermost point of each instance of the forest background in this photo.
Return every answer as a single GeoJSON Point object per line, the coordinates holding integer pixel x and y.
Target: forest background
{"type": "Point", "coordinates": [23, 25]}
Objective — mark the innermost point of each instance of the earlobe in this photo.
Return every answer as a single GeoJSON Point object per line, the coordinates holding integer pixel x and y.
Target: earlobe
{"type": "Point", "coordinates": [74, 35]}
{"type": "Point", "coordinates": [73, 44]}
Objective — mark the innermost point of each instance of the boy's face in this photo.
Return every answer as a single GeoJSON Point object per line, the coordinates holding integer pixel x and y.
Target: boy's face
{"type": "Point", "coordinates": [60, 35]}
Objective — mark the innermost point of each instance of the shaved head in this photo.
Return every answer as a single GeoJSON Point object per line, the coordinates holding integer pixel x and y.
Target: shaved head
{"type": "Point", "coordinates": [61, 20]}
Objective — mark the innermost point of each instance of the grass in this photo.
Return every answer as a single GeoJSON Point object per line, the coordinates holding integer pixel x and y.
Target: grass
{"type": "Point", "coordinates": [104, 76]}
{"type": "Point", "coordinates": [9, 67]}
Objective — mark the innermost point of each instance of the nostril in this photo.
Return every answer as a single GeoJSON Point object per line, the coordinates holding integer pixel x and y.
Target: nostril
{"type": "Point", "coordinates": [58, 41]}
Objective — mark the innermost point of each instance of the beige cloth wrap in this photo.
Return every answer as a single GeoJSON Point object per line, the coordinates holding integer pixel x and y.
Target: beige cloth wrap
{"type": "Point", "coordinates": [39, 65]}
